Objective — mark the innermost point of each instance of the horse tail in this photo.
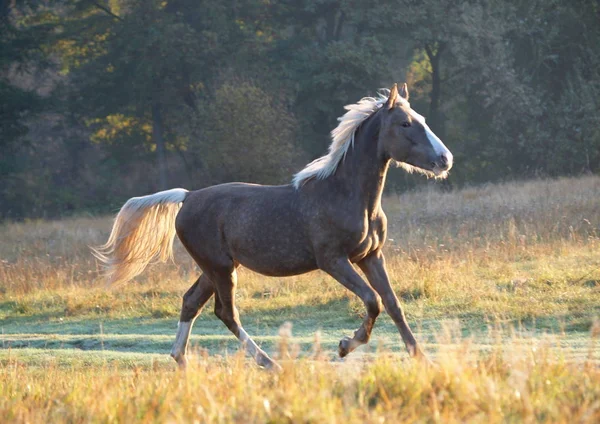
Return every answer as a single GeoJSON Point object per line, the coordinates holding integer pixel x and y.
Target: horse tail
{"type": "Point", "coordinates": [143, 230]}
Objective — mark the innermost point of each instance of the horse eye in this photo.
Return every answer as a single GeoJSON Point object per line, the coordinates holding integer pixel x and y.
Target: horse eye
{"type": "Point", "coordinates": [406, 124]}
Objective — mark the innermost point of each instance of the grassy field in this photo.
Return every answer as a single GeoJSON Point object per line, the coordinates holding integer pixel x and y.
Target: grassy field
{"type": "Point", "coordinates": [501, 284]}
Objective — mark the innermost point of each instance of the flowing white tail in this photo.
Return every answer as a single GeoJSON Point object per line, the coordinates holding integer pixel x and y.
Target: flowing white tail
{"type": "Point", "coordinates": [144, 230]}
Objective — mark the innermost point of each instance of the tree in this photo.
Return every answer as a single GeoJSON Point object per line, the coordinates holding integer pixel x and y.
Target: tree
{"type": "Point", "coordinates": [134, 69]}
{"type": "Point", "coordinates": [153, 94]}
{"type": "Point", "coordinates": [18, 56]}
{"type": "Point", "coordinates": [333, 52]}
{"type": "Point", "coordinates": [247, 135]}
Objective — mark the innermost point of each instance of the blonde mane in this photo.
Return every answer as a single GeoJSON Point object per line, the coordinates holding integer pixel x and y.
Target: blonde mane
{"type": "Point", "coordinates": [342, 138]}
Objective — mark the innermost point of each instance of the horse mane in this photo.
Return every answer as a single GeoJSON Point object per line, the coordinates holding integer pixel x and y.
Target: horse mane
{"type": "Point", "coordinates": [342, 138]}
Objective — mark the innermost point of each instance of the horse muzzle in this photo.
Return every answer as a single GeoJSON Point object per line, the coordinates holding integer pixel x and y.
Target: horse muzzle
{"type": "Point", "coordinates": [443, 163]}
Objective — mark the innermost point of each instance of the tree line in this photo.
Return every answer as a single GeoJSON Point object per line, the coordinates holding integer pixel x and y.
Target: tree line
{"type": "Point", "coordinates": [102, 100]}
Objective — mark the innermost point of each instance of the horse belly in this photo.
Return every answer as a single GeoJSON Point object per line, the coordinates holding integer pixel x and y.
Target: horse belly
{"type": "Point", "coordinates": [274, 248]}
{"type": "Point", "coordinates": [276, 261]}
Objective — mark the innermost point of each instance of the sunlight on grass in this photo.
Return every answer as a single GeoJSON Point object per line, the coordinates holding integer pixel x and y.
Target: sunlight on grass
{"type": "Point", "coordinates": [501, 283]}
{"type": "Point", "coordinates": [529, 383]}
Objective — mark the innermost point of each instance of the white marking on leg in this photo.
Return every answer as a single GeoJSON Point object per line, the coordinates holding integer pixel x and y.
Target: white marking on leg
{"type": "Point", "coordinates": [183, 334]}
{"type": "Point", "coordinates": [256, 352]}
{"type": "Point", "coordinates": [251, 347]}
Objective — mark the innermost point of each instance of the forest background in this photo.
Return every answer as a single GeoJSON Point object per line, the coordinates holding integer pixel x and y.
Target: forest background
{"type": "Point", "coordinates": [104, 100]}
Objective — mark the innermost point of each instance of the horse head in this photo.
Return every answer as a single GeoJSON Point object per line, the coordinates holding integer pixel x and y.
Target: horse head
{"type": "Point", "coordinates": [406, 138]}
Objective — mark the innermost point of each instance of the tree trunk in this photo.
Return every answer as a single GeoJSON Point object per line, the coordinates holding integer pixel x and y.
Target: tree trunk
{"type": "Point", "coordinates": [434, 116]}
{"type": "Point", "coordinates": [157, 137]}
{"type": "Point", "coordinates": [4, 10]}
{"type": "Point", "coordinates": [334, 21]}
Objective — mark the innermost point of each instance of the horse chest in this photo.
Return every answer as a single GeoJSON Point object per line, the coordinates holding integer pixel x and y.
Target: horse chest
{"type": "Point", "coordinates": [370, 242]}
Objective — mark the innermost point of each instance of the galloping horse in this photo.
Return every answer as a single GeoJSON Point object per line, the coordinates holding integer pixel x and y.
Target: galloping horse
{"type": "Point", "coordinates": [328, 218]}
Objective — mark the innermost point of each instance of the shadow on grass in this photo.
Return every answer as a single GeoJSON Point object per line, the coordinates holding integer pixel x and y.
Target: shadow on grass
{"type": "Point", "coordinates": [156, 335]}
{"type": "Point", "coordinates": [333, 320]}
{"type": "Point", "coordinates": [331, 314]}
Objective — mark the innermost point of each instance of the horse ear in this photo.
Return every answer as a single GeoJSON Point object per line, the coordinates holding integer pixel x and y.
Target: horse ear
{"type": "Point", "coordinates": [404, 91]}
{"type": "Point", "coordinates": [393, 96]}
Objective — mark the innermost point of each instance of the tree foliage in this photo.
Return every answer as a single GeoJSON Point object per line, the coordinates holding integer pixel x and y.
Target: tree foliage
{"type": "Point", "coordinates": [141, 95]}
{"type": "Point", "coordinates": [244, 126]}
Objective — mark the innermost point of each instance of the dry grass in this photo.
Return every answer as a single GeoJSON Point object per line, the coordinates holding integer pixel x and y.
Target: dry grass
{"type": "Point", "coordinates": [531, 386]}
{"type": "Point", "coordinates": [502, 250]}
{"type": "Point", "coordinates": [502, 220]}
{"type": "Point", "coordinates": [511, 254]}
{"type": "Point", "coordinates": [511, 214]}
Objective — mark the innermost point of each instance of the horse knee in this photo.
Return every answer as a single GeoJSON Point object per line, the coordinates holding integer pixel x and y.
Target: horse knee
{"type": "Point", "coordinates": [189, 293]}
{"type": "Point", "coordinates": [230, 318]}
{"type": "Point", "coordinates": [224, 315]}
{"type": "Point", "coordinates": [374, 305]}
{"type": "Point", "coordinates": [187, 314]}
{"type": "Point", "coordinates": [195, 298]}
{"type": "Point", "coordinates": [230, 323]}
{"type": "Point", "coordinates": [189, 309]}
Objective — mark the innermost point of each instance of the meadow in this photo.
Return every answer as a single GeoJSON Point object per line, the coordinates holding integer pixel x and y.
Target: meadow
{"type": "Point", "coordinates": [501, 284]}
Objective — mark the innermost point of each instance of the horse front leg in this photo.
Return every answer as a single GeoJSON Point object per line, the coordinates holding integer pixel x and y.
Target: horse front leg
{"type": "Point", "coordinates": [374, 268]}
{"type": "Point", "coordinates": [342, 270]}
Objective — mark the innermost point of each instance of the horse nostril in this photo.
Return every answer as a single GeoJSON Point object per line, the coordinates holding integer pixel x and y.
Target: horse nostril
{"type": "Point", "coordinates": [444, 159]}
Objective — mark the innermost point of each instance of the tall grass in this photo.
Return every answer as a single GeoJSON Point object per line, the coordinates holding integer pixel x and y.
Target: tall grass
{"type": "Point", "coordinates": [492, 256]}
{"type": "Point", "coordinates": [495, 219]}
{"type": "Point", "coordinates": [494, 215]}
{"type": "Point", "coordinates": [529, 385]}
{"type": "Point", "coordinates": [520, 250]}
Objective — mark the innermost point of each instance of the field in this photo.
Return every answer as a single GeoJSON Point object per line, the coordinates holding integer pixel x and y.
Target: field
{"type": "Point", "coordinates": [501, 284]}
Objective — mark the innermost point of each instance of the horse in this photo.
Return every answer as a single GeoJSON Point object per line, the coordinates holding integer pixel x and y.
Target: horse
{"type": "Point", "coordinates": [328, 218]}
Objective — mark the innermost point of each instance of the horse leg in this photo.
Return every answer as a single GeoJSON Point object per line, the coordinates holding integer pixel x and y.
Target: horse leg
{"type": "Point", "coordinates": [343, 271]}
{"type": "Point", "coordinates": [226, 311]}
{"type": "Point", "coordinates": [374, 268]}
{"type": "Point", "coordinates": [193, 301]}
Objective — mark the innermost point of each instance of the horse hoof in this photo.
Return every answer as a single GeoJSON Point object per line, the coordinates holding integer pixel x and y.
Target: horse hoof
{"type": "Point", "coordinates": [268, 364]}
{"type": "Point", "coordinates": [423, 359]}
{"type": "Point", "coordinates": [428, 363]}
{"type": "Point", "coordinates": [181, 361]}
{"type": "Point", "coordinates": [344, 348]}
{"type": "Point", "coordinates": [275, 367]}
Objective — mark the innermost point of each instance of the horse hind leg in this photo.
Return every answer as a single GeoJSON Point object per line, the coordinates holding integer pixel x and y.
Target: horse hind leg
{"type": "Point", "coordinates": [193, 302]}
{"type": "Point", "coordinates": [226, 311]}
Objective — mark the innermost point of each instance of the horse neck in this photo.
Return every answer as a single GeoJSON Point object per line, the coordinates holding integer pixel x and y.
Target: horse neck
{"type": "Point", "coordinates": [364, 169]}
